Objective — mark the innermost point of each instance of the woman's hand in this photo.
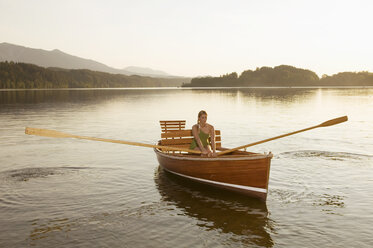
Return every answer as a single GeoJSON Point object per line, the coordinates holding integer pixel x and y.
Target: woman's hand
{"type": "Point", "coordinates": [204, 153]}
{"type": "Point", "coordinates": [212, 154]}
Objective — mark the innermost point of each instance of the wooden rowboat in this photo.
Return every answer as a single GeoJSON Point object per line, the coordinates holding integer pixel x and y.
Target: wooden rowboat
{"type": "Point", "coordinates": [240, 171]}
{"type": "Point", "coordinates": [235, 170]}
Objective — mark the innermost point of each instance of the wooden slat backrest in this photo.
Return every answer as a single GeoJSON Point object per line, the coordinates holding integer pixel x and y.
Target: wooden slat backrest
{"type": "Point", "coordinates": [183, 138]}
{"type": "Point", "coordinates": [172, 125]}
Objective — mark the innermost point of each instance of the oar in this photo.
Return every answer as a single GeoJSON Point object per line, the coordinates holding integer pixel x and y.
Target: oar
{"type": "Point", "coordinates": [324, 124]}
{"type": "Point", "coordinates": [57, 134]}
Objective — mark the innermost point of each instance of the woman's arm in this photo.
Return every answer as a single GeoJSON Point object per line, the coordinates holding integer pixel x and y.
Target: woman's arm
{"type": "Point", "coordinates": [198, 140]}
{"type": "Point", "coordinates": [212, 135]}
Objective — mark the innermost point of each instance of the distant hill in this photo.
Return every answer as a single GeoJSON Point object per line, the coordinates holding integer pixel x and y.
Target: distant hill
{"type": "Point", "coordinates": [146, 71]}
{"type": "Point", "coordinates": [29, 76]}
{"type": "Point", "coordinates": [59, 59]}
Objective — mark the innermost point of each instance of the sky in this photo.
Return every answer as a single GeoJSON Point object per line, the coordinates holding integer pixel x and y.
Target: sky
{"type": "Point", "coordinates": [198, 37]}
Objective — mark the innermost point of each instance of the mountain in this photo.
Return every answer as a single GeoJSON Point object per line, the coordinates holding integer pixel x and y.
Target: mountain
{"type": "Point", "coordinates": [146, 71]}
{"type": "Point", "coordinates": [59, 59]}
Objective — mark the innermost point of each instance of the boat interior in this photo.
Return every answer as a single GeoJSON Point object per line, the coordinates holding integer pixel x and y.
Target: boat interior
{"type": "Point", "coordinates": [173, 133]}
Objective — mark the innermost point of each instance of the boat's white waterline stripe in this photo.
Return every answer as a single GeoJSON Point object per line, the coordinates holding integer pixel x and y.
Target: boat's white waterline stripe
{"type": "Point", "coordinates": [220, 183]}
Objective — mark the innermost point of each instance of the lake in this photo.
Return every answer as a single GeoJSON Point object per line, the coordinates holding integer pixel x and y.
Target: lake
{"type": "Point", "coordinates": [79, 193]}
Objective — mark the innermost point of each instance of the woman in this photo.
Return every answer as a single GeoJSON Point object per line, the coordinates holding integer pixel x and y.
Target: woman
{"type": "Point", "coordinates": [204, 136]}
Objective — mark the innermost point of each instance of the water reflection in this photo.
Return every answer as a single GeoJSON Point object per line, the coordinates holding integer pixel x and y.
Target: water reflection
{"type": "Point", "coordinates": [261, 93]}
{"type": "Point", "coordinates": [244, 217]}
{"type": "Point", "coordinates": [81, 95]}
{"type": "Point", "coordinates": [88, 95]}
{"type": "Point", "coordinates": [67, 95]}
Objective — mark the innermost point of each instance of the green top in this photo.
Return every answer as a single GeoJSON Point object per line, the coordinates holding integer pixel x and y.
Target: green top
{"type": "Point", "coordinates": [204, 137]}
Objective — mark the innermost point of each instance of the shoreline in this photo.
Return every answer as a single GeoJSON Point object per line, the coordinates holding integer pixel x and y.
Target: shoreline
{"type": "Point", "coordinates": [198, 88]}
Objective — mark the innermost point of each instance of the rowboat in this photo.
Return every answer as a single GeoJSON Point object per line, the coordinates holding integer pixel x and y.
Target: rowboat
{"type": "Point", "coordinates": [233, 169]}
{"type": "Point", "coordinates": [240, 171]}
{"type": "Point", "coordinates": [243, 172]}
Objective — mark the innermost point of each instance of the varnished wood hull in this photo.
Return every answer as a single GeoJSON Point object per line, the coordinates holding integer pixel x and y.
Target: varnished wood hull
{"type": "Point", "coordinates": [245, 173]}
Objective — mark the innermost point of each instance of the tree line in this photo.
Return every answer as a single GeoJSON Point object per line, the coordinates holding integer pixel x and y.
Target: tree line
{"type": "Point", "coordinates": [29, 76]}
{"type": "Point", "coordinates": [283, 76]}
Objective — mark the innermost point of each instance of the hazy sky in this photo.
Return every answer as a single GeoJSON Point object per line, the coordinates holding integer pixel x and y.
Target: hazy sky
{"type": "Point", "coordinates": [192, 38]}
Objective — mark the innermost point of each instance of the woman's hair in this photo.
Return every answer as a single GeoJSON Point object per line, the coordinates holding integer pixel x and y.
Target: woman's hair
{"type": "Point", "coordinates": [202, 112]}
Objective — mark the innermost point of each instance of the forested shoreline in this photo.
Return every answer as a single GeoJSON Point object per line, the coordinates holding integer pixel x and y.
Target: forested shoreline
{"type": "Point", "coordinates": [28, 76]}
{"type": "Point", "coordinates": [283, 76]}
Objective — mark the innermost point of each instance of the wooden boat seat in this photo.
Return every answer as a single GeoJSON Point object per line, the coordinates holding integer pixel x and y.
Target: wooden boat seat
{"type": "Point", "coordinates": [174, 134]}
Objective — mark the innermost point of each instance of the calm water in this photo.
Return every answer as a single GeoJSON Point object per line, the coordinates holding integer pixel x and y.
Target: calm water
{"type": "Point", "coordinates": [76, 193]}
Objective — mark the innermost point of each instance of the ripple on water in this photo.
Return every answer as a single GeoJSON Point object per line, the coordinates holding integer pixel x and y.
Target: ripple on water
{"type": "Point", "coordinates": [328, 202]}
{"type": "Point", "coordinates": [101, 230]}
{"type": "Point", "coordinates": [25, 174]}
{"type": "Point", "coordinates": [26, 186]}
{"type": "Point", "coordinates": [340, 156]}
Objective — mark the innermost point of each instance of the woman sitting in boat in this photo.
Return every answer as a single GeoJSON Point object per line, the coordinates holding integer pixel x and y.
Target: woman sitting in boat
{"type": "Point", "coordinates": [204, 136]}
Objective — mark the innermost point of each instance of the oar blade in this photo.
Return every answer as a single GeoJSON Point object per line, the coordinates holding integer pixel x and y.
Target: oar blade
{"type": "Point", "coordinates": [47, 133]}
{"type": "Point", "coordinates": [334, 121]}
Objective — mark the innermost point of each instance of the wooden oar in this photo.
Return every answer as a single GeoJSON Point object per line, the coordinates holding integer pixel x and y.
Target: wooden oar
{"type": "Point", "coordinates": [324, 124]}
{"type": "Point", "coordinates": [57, 134]}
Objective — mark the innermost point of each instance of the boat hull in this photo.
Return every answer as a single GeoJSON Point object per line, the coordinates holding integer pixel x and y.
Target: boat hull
{"type": "Point", "coordinates": [246, 174]}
